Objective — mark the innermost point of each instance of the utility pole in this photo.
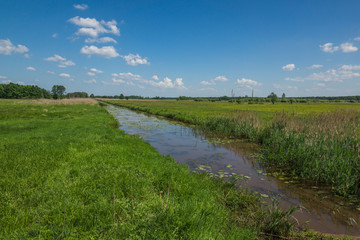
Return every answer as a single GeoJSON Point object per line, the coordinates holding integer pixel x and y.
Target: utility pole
{"type": "Point", "coordinates": [252, 93]}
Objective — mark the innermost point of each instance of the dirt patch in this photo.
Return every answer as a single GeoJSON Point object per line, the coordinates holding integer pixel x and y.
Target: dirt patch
{"type": "Point", "coordinates": [62, 101]}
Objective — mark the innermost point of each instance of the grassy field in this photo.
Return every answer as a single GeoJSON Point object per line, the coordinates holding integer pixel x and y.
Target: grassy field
{"type": "Point", "coordinates": [318, 142]}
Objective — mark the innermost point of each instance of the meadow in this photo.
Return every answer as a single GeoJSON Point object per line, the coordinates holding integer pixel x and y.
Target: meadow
{"type": "Point", "coordinates": [318, 142]}
{"type": "Point", "coordinates": [67, 172]}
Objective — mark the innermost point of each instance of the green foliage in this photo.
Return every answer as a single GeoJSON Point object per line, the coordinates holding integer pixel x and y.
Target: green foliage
{"type": "Point", "coordinates": [58, 91]}
{"type": "Point", "coordinates": [122, 96]}
{"type": "Point", "coordinates": [273, 98]}
{"type": "Point", "coordinates": [77, 95]}
{"type": "Point", "coordinates": [12, 91]}
{"type": "Point", "coordinates": [92, 95]}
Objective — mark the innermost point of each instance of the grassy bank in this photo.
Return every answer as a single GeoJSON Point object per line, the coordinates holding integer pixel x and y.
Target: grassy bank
{"type": "Point", "coordinates": [317, 142]}
{"type": "Point", "coordinates": [66, 172]}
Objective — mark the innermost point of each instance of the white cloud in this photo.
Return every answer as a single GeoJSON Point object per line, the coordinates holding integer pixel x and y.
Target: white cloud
{"type": "Point", "coordinates": [328, 47]}
{"type": "Point", "coordinates": [100, 40]}
{"type": "Point", "coordinates": [350, 67]}
{"type": "Point", "coordinates": [288, 67]}
{"type": "Point", "coordinates": [134, 60]}
{"type": "Point", "coordinates": [20, 83]}
{"type": "Point", "coordinates": [31, 69]}
{"type": "Point", "coordinates": [357, 39]}
{"type": "Point", "coordinates": [6, 81]}
{"type": "Point", "coordinates": [50, 72]}
{"type": "Point", "coordinates": [168, 83]}
{"type": "Point", "coordinates": [297, 79]}
{"type": "Point", "coordinates": [63, 62]}
{"type": "Point", "coordinates": [106, 52]}
{"type": "Point", "coordinates": [7, 48]}
{"type": "Point", "coordinates": [91, 73]}
{"type": "Point", "coordinates": [348, 47]}
{"type": "Point", "coordinates": [321, 84]}
{"type": "Point", "coordinates": [331, 75]}
{"type": "Point", "coordinates": [92, 27]}
{"type": "Point", "coordinates": [3, 77]}
{"type": "Point", "coordinates": [90, 81]}
{"type": "Point", "coordinates": [65, 75]}
{"type": "Point", "coordinates": [248, 83]}
{"type": "Point", "coordinates": [213, 81]}
{"type": "Point", "coordinates": [82, 6]}
{"type": "Point", "coordinates": [315, 66]}
{"type": "Point", "coordinates": [54, 35]}
{"type": "Point", "coordinates": [95, 70]}
{"type": "Point", "coordinates": [155, 77]}
{"type": "Point", "coordinates": [26, 55]}
{"type": "Point", "coordinates": [126, 76]}
{"type": "Point", "coordinates": [179, 83]}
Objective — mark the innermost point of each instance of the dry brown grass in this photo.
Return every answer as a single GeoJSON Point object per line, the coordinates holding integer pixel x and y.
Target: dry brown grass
{"type": "Point", "coordinates": [58, 101]}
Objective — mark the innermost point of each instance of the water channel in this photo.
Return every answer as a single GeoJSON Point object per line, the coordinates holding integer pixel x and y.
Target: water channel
{"type": "Point", "coordinates": [226, 157]}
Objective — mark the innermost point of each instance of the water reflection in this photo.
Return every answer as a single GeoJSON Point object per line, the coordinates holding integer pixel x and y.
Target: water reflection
{"type": "Point", "coordinates": [227, 157]}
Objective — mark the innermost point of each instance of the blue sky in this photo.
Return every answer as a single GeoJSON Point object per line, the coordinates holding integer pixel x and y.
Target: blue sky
{"type": "Point", "coordinates": [191, 48]}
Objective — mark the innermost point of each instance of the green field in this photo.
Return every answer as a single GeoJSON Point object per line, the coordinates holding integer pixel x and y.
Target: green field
{"type": "Point", "coordinates": [317, 141]}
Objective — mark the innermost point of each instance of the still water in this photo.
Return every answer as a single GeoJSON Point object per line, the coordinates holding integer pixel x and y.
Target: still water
{"type": "Point", "coordinates": [226, 157]}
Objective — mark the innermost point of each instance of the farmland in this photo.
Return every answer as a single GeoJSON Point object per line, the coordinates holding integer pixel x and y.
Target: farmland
{"type": "Point", "coordinates": [317, 142]}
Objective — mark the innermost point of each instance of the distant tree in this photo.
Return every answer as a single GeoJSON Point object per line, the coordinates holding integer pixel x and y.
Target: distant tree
{"type": "Point", "coordinates": [292, 100]}
{"type": "Point", "coordinates": [127, 98]}
{"type": "Point", "coordinates": [92, 95]}
{"type": "Point", "coordinates": [58, 91]}
{"type": "Point", "coordinates": [283, 96]}
{"type": "Point", "coordinates": [122, 96]}
{"type": "Point", "coordinates": [273, 97]}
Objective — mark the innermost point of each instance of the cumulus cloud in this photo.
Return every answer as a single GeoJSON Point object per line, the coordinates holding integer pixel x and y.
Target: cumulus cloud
{"type": "Point", "coordinates": [357, 39]}
{"type": "Point", "coordinates": [328, 47]}
{"type": "Point", "coordinates": [215, 80]}
{"type": "Point", "coordinates": [54, 35]}
{"type": "Point", "coordinates": [92, 27]}
{"type": "Point", "coordinates": [106, 52]}
{"type": "Point", "coordinates": [134, 60]}
{"type": "Point", "coordinates": [130, 79]}
{"type": "Point", "coordinates": [3, 77]}
{"type": "Point", "coordinates": [31, 69]}
{"type": "Point", "coordinates": [297, 79]}
{"type": "Point", "coordinates": [82, 6]}
{"type": "Point", "coordinates": [90, 81]}
{"type": "Point", "coordinates": [7, 48]}
{"type": "Point", "coordinates": [168, 83]}
{"type": "Point", "coordinates": [91, 73]}
{"type": "Point", "coordinates": [321, 84]}
{"type": "Point", "coordinates": [6, 81]}
{"type": "Point", "coordinates": [288, 67]}
{"type": "Point", "coordinates": [315, 66]}
{"type": "Point", "coordinates": [100, 40]}
{"type": "Point", "coordinates": [95, 70]}
{"type": "Point", "coordinates": [50, 72]}
{"type": "Point", "coordinates": [119, 77]}
{"type": "Point", "coordinates": [62, 62]}
{"type": "Point", "coordinates": [65, 75]}
{"type": "Point", "coordinates": [331, 75]}
{"type": "Point", "coordinates": [348, 47]}
{"type": "Point", "coordinates": [350, 67]}
{"type": "Point", "coordinates": [248, 83]}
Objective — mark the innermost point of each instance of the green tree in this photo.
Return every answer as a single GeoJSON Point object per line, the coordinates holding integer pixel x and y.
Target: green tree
{"type": "Point", "coordinates": [122, 96]}
{"type": "Point", "coordinates": [58, 91]}
{"type": "Point", "coordinates": [273, 97]}
{"type": "Point", "coordinates": [92, 95]}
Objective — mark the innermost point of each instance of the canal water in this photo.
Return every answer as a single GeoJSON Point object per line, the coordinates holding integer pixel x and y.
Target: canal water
{"type": "Point", "coordinates": [224, 158]}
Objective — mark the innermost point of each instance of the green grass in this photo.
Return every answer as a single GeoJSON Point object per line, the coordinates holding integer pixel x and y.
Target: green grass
{"type": "Point", "coordinates": [318, 142]}
{"type": "Point", "coordinates": [67, 172]}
